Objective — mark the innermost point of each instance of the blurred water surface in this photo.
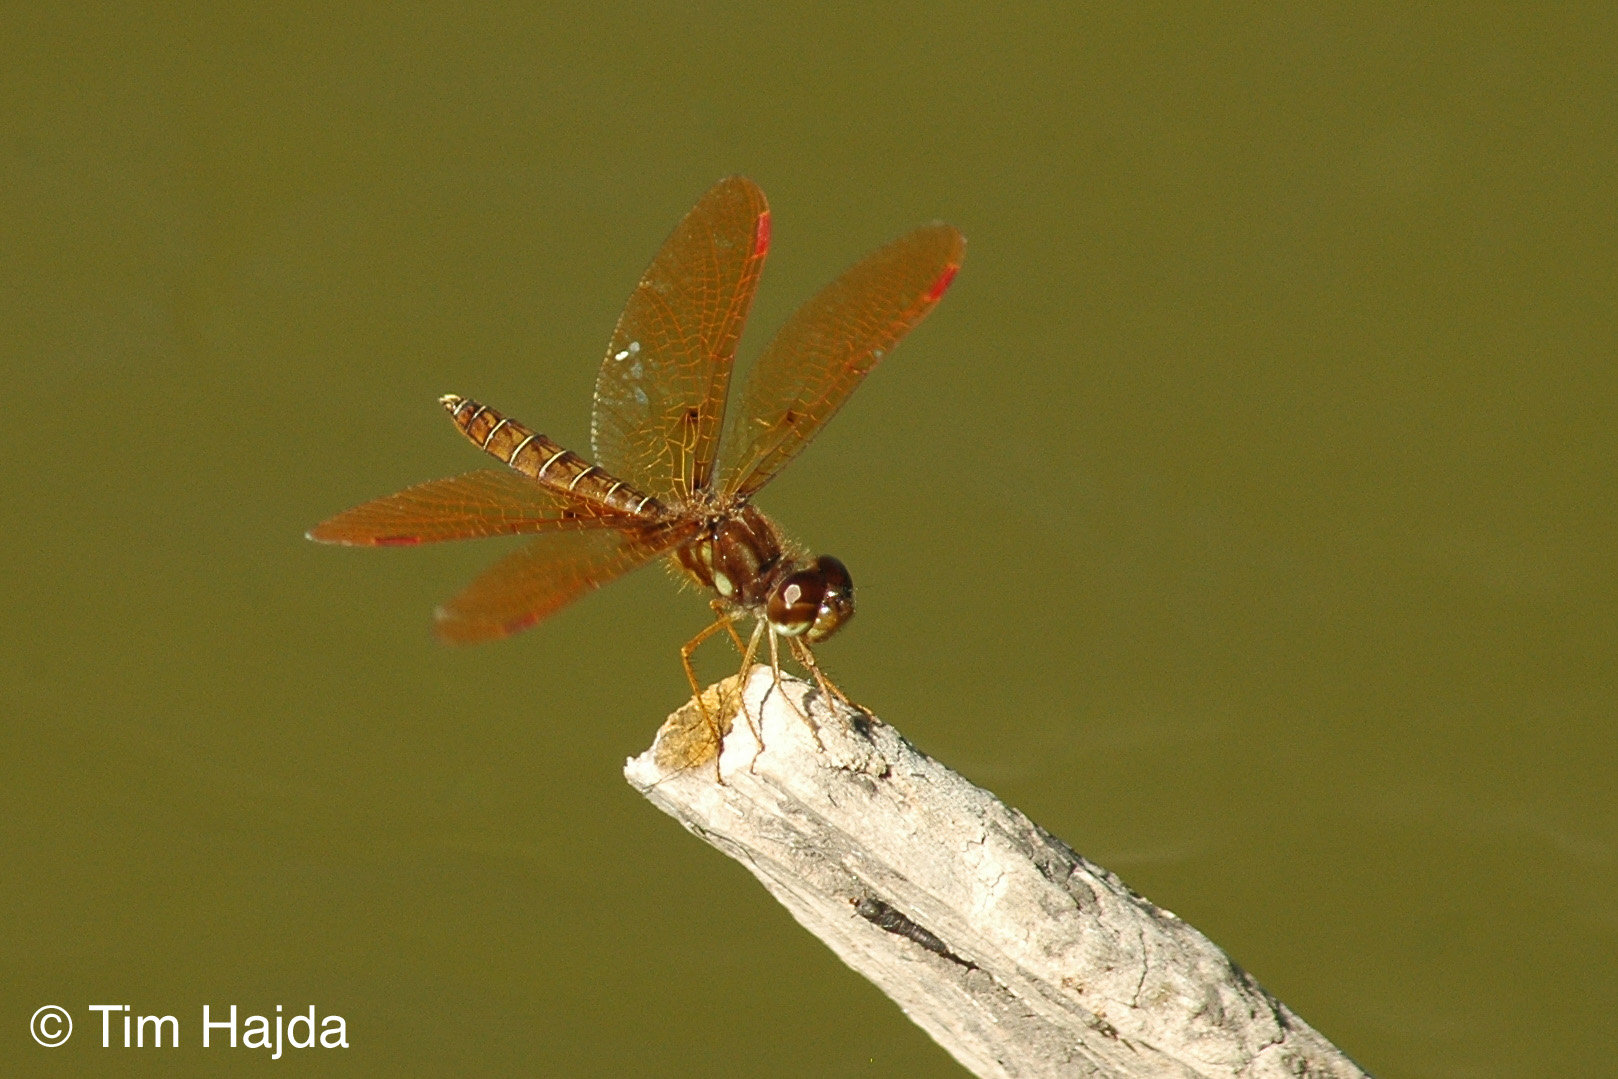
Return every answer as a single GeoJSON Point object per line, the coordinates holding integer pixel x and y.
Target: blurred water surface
{"type": "Point", "coordinates": [1245, 514]}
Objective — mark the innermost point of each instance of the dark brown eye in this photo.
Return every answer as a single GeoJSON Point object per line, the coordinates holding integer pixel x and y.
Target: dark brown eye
{"type": "Point", "coordinates": [836, 600]}
{"type": "Point", "coordinates": [795, 603]}
{"type": "Point", "coordinates": [812, 602]}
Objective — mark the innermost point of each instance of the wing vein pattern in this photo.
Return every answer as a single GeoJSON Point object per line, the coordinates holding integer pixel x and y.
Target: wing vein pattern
{"type": "Point", "coordinates": [660, 394]}
{"type": "Point", "coordinates": [469, 506]}
{"type": "Point", "coordinates": [824, 351]}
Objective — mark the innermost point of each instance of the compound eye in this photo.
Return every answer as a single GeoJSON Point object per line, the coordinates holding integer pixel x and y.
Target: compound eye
{"type": "Point", "coordinates": [795, 603]}
{"type": "Point", "coordinates": [835, 574]}
{"type": "Point", "coordinates": [836, 601]}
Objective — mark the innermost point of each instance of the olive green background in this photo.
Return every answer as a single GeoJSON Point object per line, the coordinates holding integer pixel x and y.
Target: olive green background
{"type": "Point", "coordinates": [1245, 514]}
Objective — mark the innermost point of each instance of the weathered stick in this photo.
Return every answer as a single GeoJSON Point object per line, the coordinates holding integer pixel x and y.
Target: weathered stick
{"type": "Point", "coordinates": [1012, 951]}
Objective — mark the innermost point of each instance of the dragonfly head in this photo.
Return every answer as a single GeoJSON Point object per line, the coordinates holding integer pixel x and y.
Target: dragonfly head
{"type": "Point", "coordinates": [812, 602]}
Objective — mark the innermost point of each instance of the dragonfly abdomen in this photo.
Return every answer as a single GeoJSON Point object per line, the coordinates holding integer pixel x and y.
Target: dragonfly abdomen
{"type": "Point", "coordinates": [543, 460]}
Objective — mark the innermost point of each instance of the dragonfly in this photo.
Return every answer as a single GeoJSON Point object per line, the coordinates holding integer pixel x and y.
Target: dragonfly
{"type": "Point", "coordinates": [669, 477]}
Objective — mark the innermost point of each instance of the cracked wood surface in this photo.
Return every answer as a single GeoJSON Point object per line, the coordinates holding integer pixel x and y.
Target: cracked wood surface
{"type": "Point", "coordinates": [1015, 953]}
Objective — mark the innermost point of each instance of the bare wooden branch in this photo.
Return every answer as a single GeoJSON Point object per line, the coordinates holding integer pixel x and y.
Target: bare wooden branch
{"type": "Point", "coordinates": [1016, 954]}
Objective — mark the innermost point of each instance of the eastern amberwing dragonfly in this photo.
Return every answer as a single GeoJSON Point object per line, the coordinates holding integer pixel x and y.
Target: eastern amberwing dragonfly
{"type": "Point", "coordinates": [669, 476]}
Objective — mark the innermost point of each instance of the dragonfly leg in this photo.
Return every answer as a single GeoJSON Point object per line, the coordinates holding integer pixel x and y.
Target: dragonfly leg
{"type": "Point", "coordinates": [686, 650]}
{"type": "Point", "coordinates": [730, 628]}
{"type": "Point", "coordinates": [804, 655]}
{"type": "Point", "coordinates": [748, 652]}
{"type": "Point", "coordinates": [775, 665]}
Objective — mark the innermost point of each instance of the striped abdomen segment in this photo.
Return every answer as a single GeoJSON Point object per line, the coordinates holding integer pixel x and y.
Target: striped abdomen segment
{"type": "Point", "coordinates": [540, 459]}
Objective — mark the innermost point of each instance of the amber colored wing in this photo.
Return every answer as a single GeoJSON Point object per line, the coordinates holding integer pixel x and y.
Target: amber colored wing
{"type": "Point", "coordinates": [660, 395]}
{"type": "Point", "coordinates": [541, 578]}
{"type": "Point", "coordinates": [477, 504]}
{"type": "Point", "coordinates": [815, 361]}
